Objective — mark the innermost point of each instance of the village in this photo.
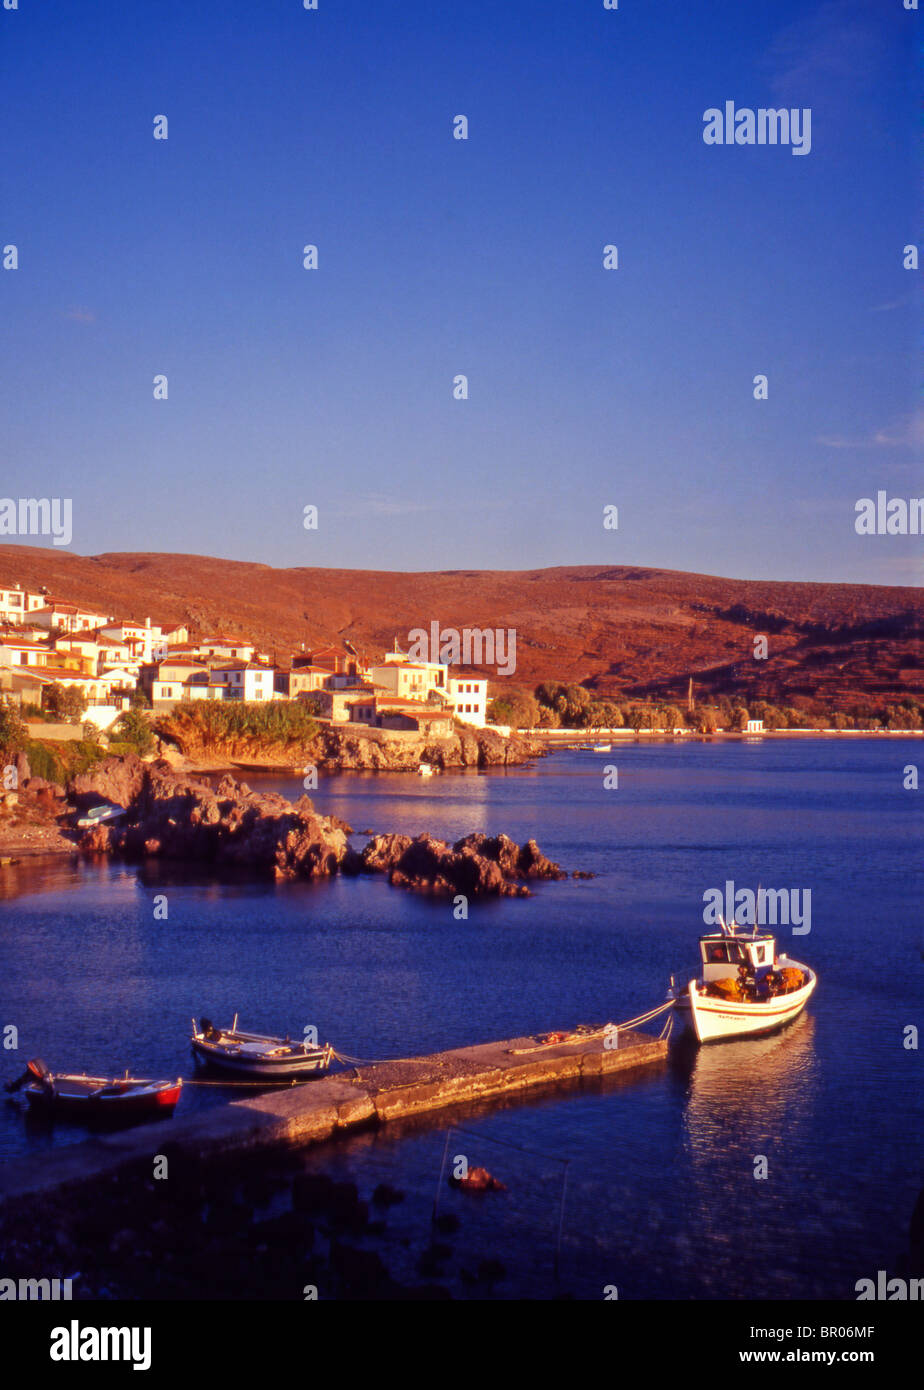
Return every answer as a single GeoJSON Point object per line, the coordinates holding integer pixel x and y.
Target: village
{"type": "Point", "coordinates": [60, 656]}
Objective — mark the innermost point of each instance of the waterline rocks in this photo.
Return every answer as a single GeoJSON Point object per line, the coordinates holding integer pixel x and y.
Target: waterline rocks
{"type": "Point", "coordinates": [338, 749]}
{"type": "Point", "coordinates": [172, 815]}
{"type": "Point", "coordinates": [476, 865]}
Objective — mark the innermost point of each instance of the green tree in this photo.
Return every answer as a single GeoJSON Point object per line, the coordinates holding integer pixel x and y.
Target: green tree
{"type": "Point", "coordinates": [637, 717]}
{"type": "Point", "coordinates": [134, 728]}
{"type": "Point", "coordinates": [707, 719]}
{"type": "Point", "coordinates": [669, 718]}
{"type": "Point", "coordinates": [13, 733]}
{"type": "Point", "coordinates": [603, 714]}
{"type": "Point", "coordinates": [66, 703]}
{"type": "Point", "coordinates": [739, 718]}
{"type": "Point", "coordinates": [572, 703]}
{"type": "Point", "coordinates": [901, 717]}
{"type": "Point", "coordinates": [546, 693]}
{"type": "Point", "coordinates": [772, 716]}
{"type": "Point", "coordinates": [518, 709]}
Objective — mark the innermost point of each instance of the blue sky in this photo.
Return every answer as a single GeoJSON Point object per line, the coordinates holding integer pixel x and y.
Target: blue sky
{"type": "Point", "coordinates": [484, 257]}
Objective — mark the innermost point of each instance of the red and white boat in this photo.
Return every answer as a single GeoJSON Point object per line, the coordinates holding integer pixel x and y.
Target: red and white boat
{"type": "Point", "coordinates": [121, 1100]}
{"type": "Point", "coordinates": [745, 988]}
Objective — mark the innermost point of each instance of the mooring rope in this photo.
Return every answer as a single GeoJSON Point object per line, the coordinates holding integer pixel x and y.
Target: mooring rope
{"type": "Point", "coordinates": [354, 1062]}
{"type": "Point", "coordinates": [568, 1039]}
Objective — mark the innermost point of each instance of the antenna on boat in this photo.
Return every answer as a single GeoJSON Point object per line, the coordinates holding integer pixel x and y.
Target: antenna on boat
{"type": "Point", "coordinates": [756, 912]}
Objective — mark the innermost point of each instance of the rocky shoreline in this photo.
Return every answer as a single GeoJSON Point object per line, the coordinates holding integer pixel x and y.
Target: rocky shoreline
{"type": "Point", "coordinates": [171, 814]}
{"type": "Point", "coordinates": [354, 749]}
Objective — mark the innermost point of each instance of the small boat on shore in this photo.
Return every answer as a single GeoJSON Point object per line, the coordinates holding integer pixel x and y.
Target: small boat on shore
{"type": "Point", "coordinates": [425, 770]}
{"type": "Point", "coordinates": [745, 988]}
{"type": "Point", "coordinates": [256, 1054]}
{"type": "Point", "coordinates": [98, 815]}
{"type": "Point", "coordinates": [120, 1100]}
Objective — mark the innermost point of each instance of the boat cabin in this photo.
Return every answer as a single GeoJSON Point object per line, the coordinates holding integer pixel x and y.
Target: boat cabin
{"type": "Point", "coordinates": [724, 954]}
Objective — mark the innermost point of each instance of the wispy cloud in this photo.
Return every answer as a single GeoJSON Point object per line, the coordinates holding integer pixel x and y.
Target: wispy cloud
{"type": "Point", "coordinates": [79, 315]}
{"type": "Point", "coordinates": [898, 303]}
{"type": "Point", "coordinates": [907, 433]}
{"type": "Point", "coordinates": [828, 56]}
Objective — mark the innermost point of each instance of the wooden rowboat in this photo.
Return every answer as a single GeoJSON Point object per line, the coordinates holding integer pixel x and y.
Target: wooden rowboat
{"type": "Point", "coordinates": [256, 1054]}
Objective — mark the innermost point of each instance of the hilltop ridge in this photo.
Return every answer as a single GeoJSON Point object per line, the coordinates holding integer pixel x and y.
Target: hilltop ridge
{"type": "Point", "coordinates": [623, 630]}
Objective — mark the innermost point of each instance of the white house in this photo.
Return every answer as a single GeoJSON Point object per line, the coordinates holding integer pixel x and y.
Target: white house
{"type": "Point", "coordinates": [755, 726]}
{"type": "Point", "coordinates": [68, 616]}
{"type": "Point", "coordinates": [22, 653]}
{"type": "Point", "coordinates": [168, 682]}
{"type": "Point", "coordinates": [469, 698]}
{"type": "Point", "coordinates": [411, 680]}
{"type": "Point", "coordinates": [227, 648]}
{"type": "Point", "coordinates": [17, 603]}
{"type": "Point", "coordinates": [142, 639]}
{"type": "Point", "coordinates": [245, 680]}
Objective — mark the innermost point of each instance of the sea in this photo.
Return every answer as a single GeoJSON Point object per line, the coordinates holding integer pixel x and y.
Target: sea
{"type": "Point", "coordinates": [781, 1167]}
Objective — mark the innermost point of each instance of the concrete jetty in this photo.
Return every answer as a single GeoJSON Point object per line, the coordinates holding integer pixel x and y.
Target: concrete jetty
{"type": "Point", "coordinates": [378, 1093]}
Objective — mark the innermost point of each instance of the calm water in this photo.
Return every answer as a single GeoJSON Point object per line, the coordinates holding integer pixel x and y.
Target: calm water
{"type": "Point", "coordinates": [660, 1198]}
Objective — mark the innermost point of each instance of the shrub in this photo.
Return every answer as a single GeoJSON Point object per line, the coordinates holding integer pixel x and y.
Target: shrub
{"type": "Point", "coordinates": [60, 761]}
{"type": "Point", "coordinates": [12, 729]}
{"type": "Point", "coordinates": [210, 722]}
{"type": "Point", "coordinates": [65, 702]}
{"type": "Point", "coordinates": [519, 710]}
{"type": "Point", "coordinates": [133, 728]}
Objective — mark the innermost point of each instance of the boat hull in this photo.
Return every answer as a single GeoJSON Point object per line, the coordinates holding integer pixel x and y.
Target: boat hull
{"type": "Point", "coordinates": [719, 1020]}
{"type": "Point", "coordinates": [243, 1063]}
{"type": "Point", "coordinates": [108, 1103]}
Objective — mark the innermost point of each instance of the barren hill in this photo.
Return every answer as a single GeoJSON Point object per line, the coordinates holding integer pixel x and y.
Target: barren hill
{"type": "Point", "coordinates": [620, 629]}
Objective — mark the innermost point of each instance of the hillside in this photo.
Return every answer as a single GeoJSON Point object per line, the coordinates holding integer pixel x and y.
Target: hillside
{"type": "Point", "coordinates": [621, 629]}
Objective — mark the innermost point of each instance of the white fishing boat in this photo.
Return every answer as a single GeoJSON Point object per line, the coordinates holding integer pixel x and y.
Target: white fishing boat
{"type": "Point", "coordinates": [745, 988]}
{"type": "Point", "coordinates": [603, 748]}
{"type": "Point", "coordinates": [256, 1054]}
{"type": "Point", "coordinates": [425, 770]}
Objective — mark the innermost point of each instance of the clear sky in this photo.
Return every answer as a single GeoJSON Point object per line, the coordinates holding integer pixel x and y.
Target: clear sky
{"type": "Point", "coordinates": [438, 256]}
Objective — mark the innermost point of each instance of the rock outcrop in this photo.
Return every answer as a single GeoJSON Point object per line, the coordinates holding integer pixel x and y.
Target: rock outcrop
{"type": "Point", "coordinates": [169, 814]}
{"type": "Point", "coordinates": [476, 865]}
{"type": "Point", "coordinates": [172, 815]}
{"type": "Point", "coordinates": [338, 749]}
